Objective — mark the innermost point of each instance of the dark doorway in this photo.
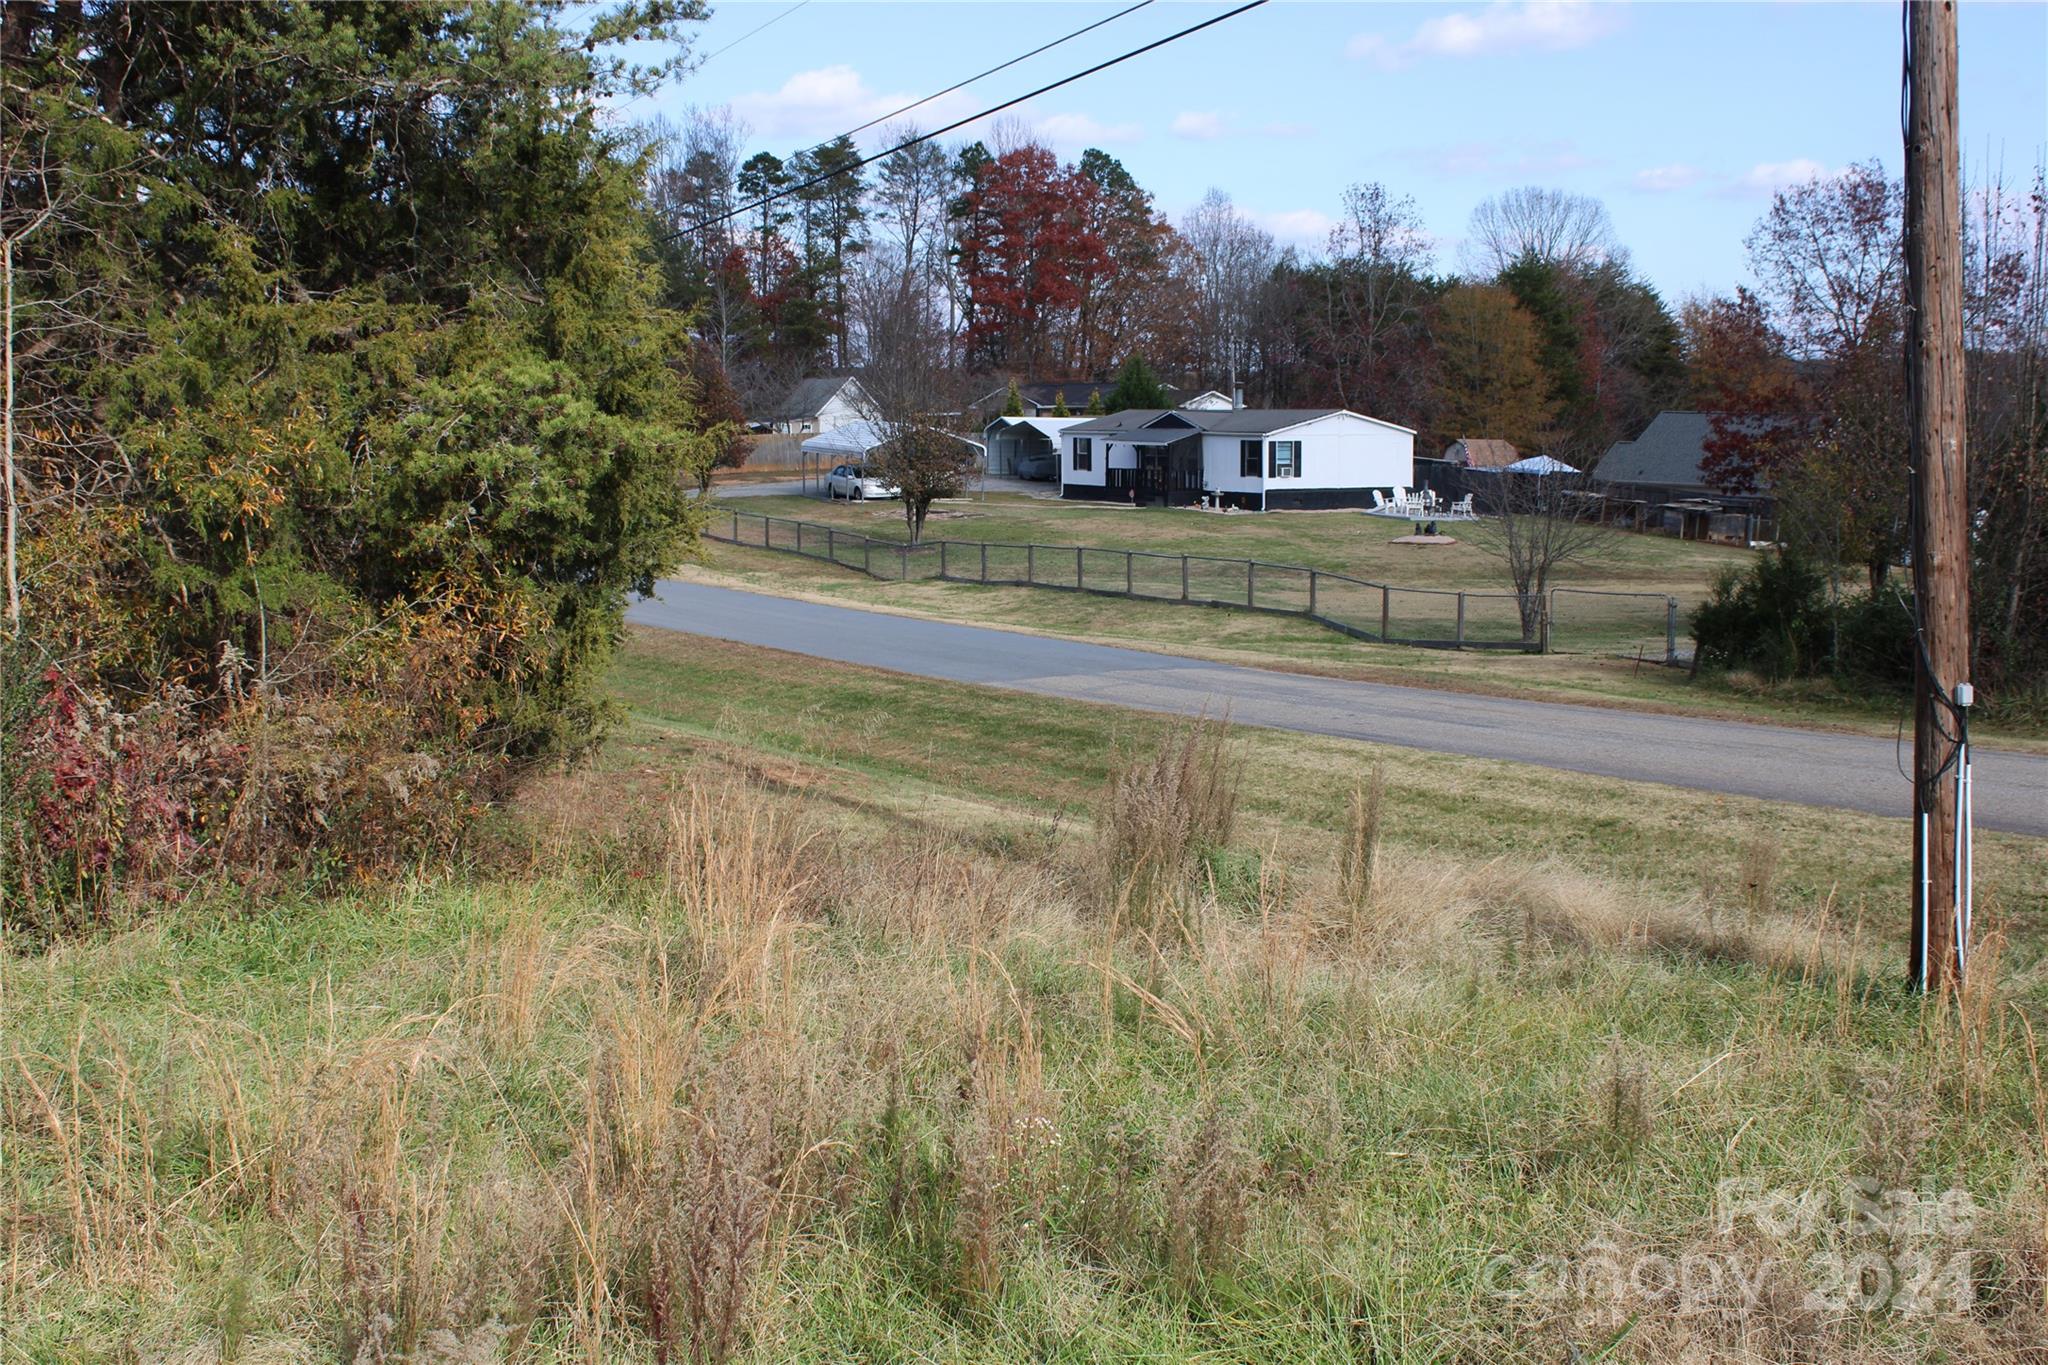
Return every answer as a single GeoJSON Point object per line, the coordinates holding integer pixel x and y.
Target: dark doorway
{"type": "Point", "coordinates": [1151, 477]}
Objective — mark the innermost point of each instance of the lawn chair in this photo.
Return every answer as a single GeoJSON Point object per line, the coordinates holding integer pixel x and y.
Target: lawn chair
{"type": "Point", "coordinates": [1463, 508]}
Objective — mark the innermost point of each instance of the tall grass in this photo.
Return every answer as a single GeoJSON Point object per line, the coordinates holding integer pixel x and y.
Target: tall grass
{"type": "Point", "coordinates": [796, 1080]}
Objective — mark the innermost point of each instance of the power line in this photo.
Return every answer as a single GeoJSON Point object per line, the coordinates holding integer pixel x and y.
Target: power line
{"type": "Point", "coordinates": [800, 186]}
{"type": "Point", "coordinates": [752, 31]}
{"type": "Point", "coordinates": [962, 85]}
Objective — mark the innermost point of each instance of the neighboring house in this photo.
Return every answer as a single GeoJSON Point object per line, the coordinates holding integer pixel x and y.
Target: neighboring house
{"type": "Point", "coordinates": [1660, 476]}
{"type": "Point", "coordinates": [1042, 399]}
{"type": "Point", "coordinates": [1256, 458]}
{"type": "Point", "coordinates": [1211, 400]}
{"type": "Point", "coordinates": [1033, 441]}
{"type": "Point", "coordinates": [817, 405]}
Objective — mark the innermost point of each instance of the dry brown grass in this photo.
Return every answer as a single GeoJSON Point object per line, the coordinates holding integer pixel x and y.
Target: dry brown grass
{"type": "Point", "coordinates": [667, 1116]}
{"type": "Point", "coordinates": [1163, 809]}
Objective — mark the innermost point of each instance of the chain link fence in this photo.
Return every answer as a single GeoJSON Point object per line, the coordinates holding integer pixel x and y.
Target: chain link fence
{"type": "Point", "coordinates": [1566, 620]}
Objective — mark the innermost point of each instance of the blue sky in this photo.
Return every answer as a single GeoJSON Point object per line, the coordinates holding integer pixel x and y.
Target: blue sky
{"type": "Point", "coordinates": [1681, 117]}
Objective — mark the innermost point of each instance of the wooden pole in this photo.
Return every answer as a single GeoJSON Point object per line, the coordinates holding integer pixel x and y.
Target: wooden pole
{"type": "Point", "coordinates": [1940, 495]}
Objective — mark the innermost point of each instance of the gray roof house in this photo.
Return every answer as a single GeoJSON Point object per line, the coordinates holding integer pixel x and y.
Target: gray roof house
{"type": "Point", "coordinates": [1252, 458]}
{"type": "Point", "coordinates": [1663, 471]}
{"type": "Point", "coordinates": [820, 404]}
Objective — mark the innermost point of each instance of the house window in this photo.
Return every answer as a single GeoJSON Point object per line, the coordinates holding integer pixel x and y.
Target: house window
{"type": "Point", "coordinates": [1084, 454]}
{"type": "Point", "coordinates": [1286, 462]}
{"type": "Point", "coordinates": [1248, 459]}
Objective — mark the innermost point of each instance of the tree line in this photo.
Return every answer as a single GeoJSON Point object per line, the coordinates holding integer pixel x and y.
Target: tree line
{"type": "Point", "coordinates": [1008, 262]}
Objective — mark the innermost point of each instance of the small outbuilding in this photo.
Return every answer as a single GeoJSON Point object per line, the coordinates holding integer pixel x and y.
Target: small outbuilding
{"type": "Point", "coordinates": [851, 444]}
{"type": "Point", "coordinates": [1026, 447]}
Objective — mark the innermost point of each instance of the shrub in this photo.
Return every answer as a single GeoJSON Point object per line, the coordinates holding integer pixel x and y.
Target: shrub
{"type": "Point", "coordinates": [1775, 618]}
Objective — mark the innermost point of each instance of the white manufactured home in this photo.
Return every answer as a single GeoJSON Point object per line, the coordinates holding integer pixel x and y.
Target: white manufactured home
{"type": "Point", "coordinates": [1253, 458]}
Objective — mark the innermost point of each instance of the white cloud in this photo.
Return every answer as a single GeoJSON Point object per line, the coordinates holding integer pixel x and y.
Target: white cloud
{"type": "Point", "coordinates": [1083, 130]}
{"type": "Point", "coordinates": [828, 100]}
{"type": "Point", "coordinates": [1659, 179]}
{"type": "Point", "coordinates": [1768, 177]}
{"type": "Point", "coordinates": [1295, 227]}
{"type": "Point", "coordinates": [1504, 26]}
{"type": "Point", "coordinates": [1200, 126]}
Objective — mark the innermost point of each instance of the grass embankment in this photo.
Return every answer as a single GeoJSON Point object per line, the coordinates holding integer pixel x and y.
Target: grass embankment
{"type": "Point", "coordinates": [836, 1015]}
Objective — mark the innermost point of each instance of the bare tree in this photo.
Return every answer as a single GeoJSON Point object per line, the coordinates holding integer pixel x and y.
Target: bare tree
{"type": "Point", "coordinates": [1232, 258]}
{"type": "Point", "coordinates": [912, 394]}
{"type": "Point", "coordinates": [1371, 299]}
{"type": "Point", "coordinates": [1571, 231]}
{"type": "Point", "coordinates": [912, 189]}
{"type": "Point", "coordinates": [1535, 525]}
{"type": "Point", "coordinates": [693, 187]}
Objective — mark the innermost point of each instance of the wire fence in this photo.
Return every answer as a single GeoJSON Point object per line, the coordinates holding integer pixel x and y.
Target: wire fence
{"type": "Point", "coordinates": [1565, 620]}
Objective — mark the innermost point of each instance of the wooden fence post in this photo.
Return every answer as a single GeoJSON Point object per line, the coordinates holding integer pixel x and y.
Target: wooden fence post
{"type": "Point", "coordinates": [1079, 582]}
{"type": "Point", "coordinates": [832, 544]}
{"type": "Point", "coordinates": [1251, 583]}
{"type": "Point", "coordinates": [1311, 592]}
{"type": "Point", "coordinates": [984, 562]}
{"type": "Point", "coordinates": [1461, 620]}
{"type": "Point", "coordinates": [1670, 631]}
{"type": "Point", "coordinates": [1386, 605]}
{"type": "Point", "coordinates": [1030, 563]}
{"type": "Point", "coordinates": [1183, 578]}
{"type": "Point", "coordinates": [1127, 574]}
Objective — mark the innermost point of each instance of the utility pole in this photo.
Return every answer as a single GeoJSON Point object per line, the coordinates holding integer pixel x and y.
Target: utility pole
{"type": "Point", "coordinates": [1940, 496]}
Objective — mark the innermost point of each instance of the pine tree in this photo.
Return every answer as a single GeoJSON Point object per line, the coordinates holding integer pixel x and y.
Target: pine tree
{"type": "Point", "coordinates": [1059, 405]}
{"type": "Point", "coordinates": [1137, 387]}
{"type": "Point", "coordinates": [1013, 406]}
{"type": "Point", "coordinates": [1095, 406]}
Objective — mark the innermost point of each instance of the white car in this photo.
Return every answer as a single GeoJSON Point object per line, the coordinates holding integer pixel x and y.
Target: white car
{"type": "Point", "coordinates": [849, 481]}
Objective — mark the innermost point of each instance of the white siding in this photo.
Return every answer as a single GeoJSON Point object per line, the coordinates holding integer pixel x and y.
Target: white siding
{"type": "Point", "coordinates": [1093, 477]}
{"type": "Point", "coordinates": [1343, 451]}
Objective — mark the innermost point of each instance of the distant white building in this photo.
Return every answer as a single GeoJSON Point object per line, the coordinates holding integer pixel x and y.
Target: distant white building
{"type": "Point", "coordinates": [1255, 458]}
{"type": "Point", "coordinates": [819, 405]}
{"type": "Point", "coordinates": [1211, 400]}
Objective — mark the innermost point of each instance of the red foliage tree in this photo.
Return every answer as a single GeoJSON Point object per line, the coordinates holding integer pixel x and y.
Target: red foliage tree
{"type": "Point", "coordinates": [1026, 249]}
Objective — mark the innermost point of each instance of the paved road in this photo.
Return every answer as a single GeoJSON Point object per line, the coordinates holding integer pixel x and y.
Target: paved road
{"type": "Point", "coordinates": [1803, 766]}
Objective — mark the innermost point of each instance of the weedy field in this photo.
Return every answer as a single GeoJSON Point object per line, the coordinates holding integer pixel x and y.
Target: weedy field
{"type": "Point", "coordinates": [835, 1015]}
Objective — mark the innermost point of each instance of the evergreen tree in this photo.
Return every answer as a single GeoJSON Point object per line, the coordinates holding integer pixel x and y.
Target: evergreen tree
{"type": "Point", "coordinates": [1137, 387]}
{"type": "Point", "coordinates": [1095, 405]}
{"type": "Point", "coordinates": [353, 400]}
{"type": "Point", "coordinates": [1059, 405]}
{"type": "Point", "coordinates": [1013, 405]}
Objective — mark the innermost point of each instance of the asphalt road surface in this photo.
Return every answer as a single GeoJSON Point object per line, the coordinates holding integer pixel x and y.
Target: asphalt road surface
{"type": "Point", "coordinates": [1776, 764]}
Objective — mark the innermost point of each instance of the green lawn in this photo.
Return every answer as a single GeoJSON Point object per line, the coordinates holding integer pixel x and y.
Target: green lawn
{"type": "Point", "coordinates": [803, 1026]}
{"type": "Point", "coordinates": [1346, 542]}
{"type": "Point", "coordinates": [1607, 650]}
